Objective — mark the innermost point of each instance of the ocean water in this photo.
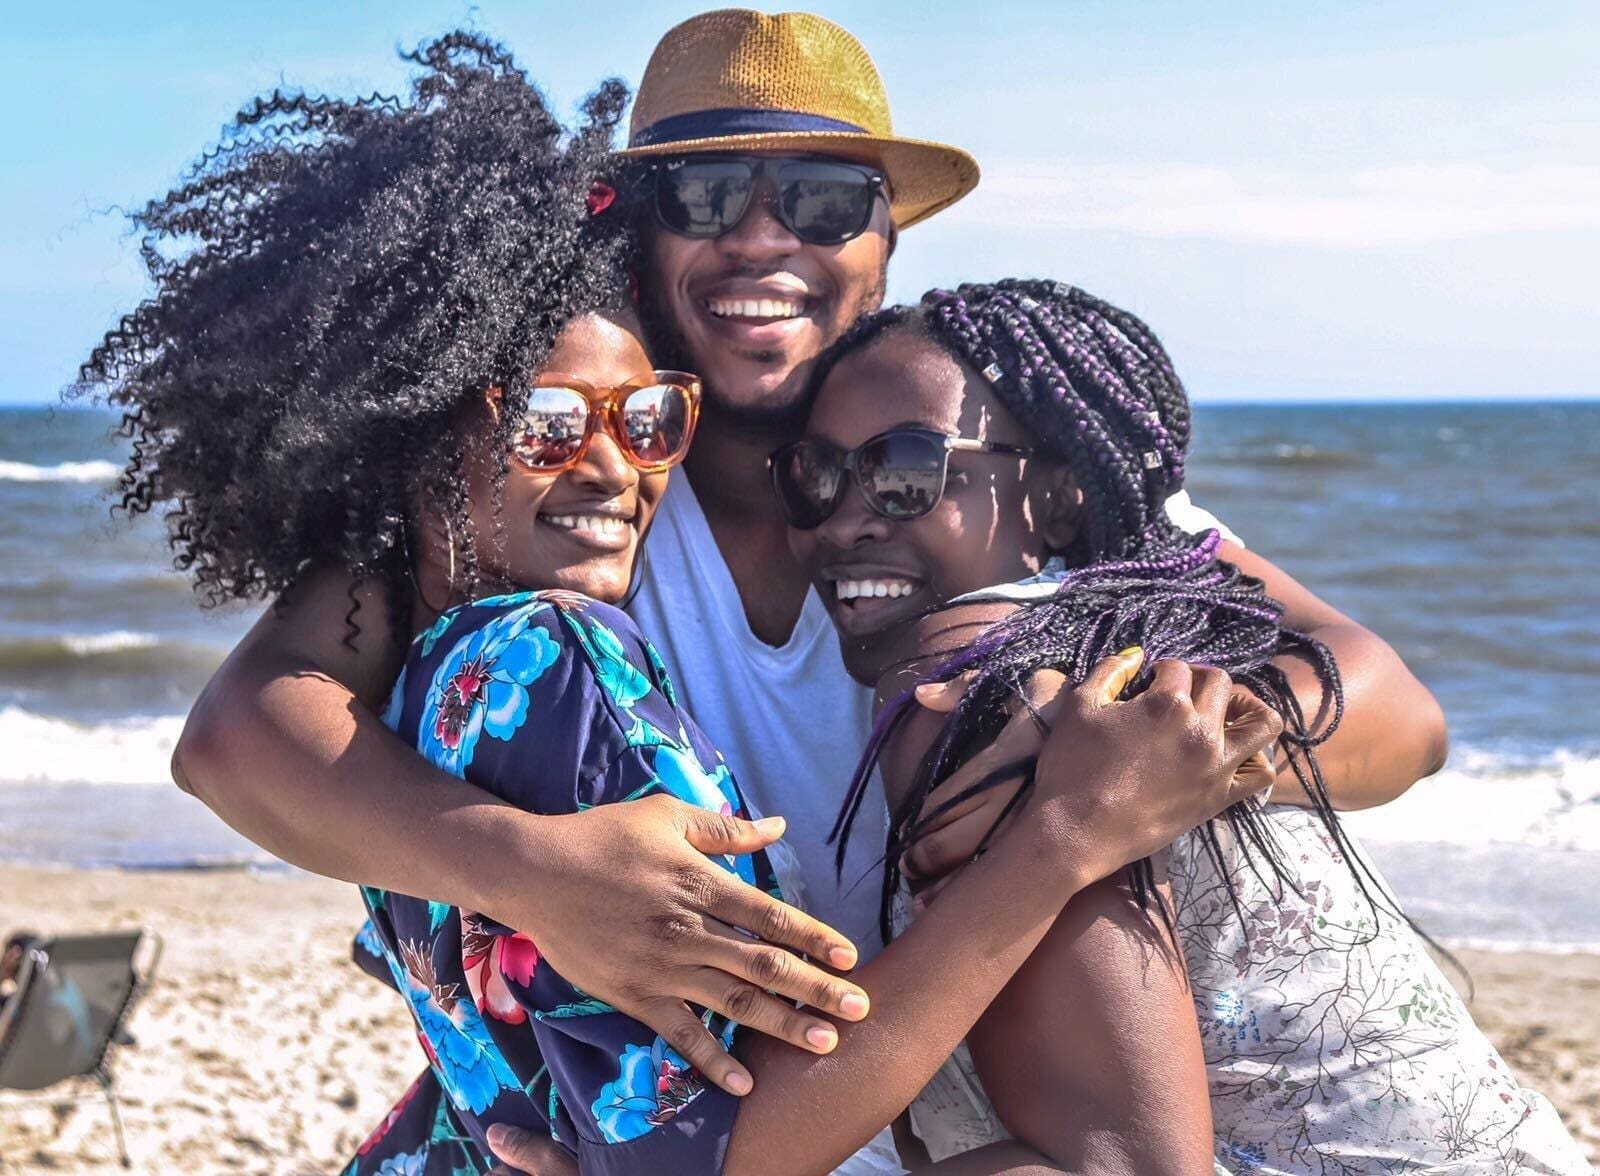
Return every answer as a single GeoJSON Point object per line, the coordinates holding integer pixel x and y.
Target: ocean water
{"type": "Point", "coordinates": [1467, 535]}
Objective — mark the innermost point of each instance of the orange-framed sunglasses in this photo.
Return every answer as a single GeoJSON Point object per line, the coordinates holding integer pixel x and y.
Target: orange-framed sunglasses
{"type": "Point", "coordinates": [651, 419]}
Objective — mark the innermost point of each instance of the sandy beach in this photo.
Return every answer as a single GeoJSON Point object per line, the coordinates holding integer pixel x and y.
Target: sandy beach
{"type": "Point", "coordinates": [263, 1049]}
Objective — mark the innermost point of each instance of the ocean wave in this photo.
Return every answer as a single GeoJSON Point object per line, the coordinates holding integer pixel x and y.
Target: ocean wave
{"type": "Point", "coordinates": [41, 749]}
{"type": "Point", "coordinates": [66, 471]}
{"type": "Point", "coordinates": [119, 652]}
{"type": "Point", "coordinates": [1548, 801]}
{"type": "Point", "coordinates": [88, 644]}
{"type": "Point", "coordinates": [1286, 453]}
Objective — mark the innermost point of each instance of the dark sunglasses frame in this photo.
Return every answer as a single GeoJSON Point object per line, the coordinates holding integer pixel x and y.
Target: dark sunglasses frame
{"type": "Point", "coordinates": [605, 407]}
{"type": "Point", "coordinates": [849, 462]}
{"type": "Point", "coordinates": [772, 168]}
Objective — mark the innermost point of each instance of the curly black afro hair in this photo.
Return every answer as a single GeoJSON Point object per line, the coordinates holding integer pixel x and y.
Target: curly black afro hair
{"type": "Point", "coordinates": [334, 284]}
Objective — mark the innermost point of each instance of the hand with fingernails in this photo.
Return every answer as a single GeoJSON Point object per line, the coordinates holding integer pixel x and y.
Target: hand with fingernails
{"type": "Point", "coordinates": [1180, 695]}
{"type": "Point", "coordinates": [695, 933]}
{"type": "Point", "coordinates": [1115, 781]}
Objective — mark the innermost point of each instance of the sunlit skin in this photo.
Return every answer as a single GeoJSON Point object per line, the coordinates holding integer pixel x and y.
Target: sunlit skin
{"type": "Point", "coordinates": [533, 550]}
{"type": "Point", "coordinates": [755, 364]}
{"type": "Point", "coordinates": [999, 520]}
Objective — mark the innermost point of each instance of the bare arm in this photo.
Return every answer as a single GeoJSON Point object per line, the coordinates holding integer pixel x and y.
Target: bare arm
{"type": "Point", "coordinates": [284, 745]}
{"type": "Point", "coordinates": [1393, 731]}
{"type": "Point", "coordinates": [1092, 1053]}
{"type": "Point", "coordinates": [1100, 772]}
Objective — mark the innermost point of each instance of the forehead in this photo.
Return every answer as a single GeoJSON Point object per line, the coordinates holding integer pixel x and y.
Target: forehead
{"type": "Point", "coordinates": [902, 378]}
{"type": "Point", "coordinates": [604, 349]}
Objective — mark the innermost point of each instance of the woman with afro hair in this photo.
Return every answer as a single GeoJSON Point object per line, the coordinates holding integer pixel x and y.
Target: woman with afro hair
{"type": "Point", "coordinates": [389, 355]}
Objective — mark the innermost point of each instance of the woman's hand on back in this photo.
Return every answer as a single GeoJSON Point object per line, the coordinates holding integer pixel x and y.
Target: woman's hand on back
{"type": "Point", "coordinates": [629, 908]}
{"type": "Point", "coordinates": [1114, 780]}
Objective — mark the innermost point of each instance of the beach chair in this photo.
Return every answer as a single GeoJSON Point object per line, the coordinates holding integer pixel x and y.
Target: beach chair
{"type": "Point", "coordinates": [73, 994]}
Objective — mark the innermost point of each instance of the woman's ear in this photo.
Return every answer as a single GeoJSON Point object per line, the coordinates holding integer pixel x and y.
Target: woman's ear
{"type": "Point", "coordinates": [492, 398]}
{"type": "Point", "coordinates": [1062, 513]}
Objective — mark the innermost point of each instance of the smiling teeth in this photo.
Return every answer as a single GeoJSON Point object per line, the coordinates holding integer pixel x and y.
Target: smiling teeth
{"type": "Point", "coordinates": [851, 589]}
{"type": "Point", "coordinates": [753, 308]}
{"type": "Point", "coordinates": [605, 524]}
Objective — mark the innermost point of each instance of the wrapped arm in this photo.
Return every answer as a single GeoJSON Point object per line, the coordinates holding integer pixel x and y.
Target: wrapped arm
{"type": "Point", "coordinates": [1393, 731]}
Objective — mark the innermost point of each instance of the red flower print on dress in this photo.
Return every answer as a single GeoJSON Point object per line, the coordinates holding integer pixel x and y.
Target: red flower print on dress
{"type": "Point", "coordinates": [676, 1087]}
{"type": "Point", "coordinates": [392, 1117]}
{"type": "Point", "coordinates": [464, 689]}
{"type": "Point", "coordinates": [490, 960]}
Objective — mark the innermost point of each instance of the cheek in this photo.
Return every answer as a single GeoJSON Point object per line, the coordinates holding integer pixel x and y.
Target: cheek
{"type": "Point", "coordinates": [803, 546]}
{"type": "Point", "coordinates": [523, 492]}
{"type": "Point", "coordinates": [856, 271]}
{"type": "Point", "coordinates": [671, 258]}
{"type": "Point", "coordinates": [651, 488]}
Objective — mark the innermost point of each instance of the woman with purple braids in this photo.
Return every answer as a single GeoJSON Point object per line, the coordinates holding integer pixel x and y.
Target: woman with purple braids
{"type": "Point", "coordinates": [980, 497]}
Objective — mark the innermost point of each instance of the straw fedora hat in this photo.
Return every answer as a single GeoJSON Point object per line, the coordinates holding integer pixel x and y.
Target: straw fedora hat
{"type": "Point", "coordinates": [737, 80]}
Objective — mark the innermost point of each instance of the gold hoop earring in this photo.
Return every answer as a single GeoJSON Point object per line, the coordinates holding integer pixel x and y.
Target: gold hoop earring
{"type": "Point", "coordinates": [411, 568]}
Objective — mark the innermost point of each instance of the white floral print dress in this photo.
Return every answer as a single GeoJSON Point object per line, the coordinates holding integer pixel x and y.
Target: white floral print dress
{"type": "Point", "coordinates": [1333, 1042]}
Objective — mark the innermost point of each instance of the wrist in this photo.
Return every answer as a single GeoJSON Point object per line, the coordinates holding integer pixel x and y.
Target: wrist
{"type": "Point", "coordinates": [492, 832]}
{"type": "Point", "coordinates": [1049, 852]}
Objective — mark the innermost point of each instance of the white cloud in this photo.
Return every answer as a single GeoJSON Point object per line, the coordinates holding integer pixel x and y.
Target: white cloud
{"type": "Point", "coordinates": [1408, 204]}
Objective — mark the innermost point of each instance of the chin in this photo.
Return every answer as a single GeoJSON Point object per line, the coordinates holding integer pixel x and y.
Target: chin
{"type": "Point", "coordinates": [607, 584]}
{"type": "Point", "coordinates": [864, 658]}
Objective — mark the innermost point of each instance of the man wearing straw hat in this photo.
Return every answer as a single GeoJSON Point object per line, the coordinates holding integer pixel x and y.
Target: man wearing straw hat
{"type": "Point", "coordinates": [776, 189]}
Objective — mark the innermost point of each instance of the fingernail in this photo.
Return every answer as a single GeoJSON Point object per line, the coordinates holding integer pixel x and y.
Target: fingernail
{"type": "Point", "coordinates": [842, 957]}
{"type": "Point", "coordinates": [498, 1135]}
{"type": "Point", "coordinates": [771, 826]}
{"type": "Point", "coordinates": [853, 1005]}
{"type": "Point", "coordinates": [1131, 649]}
{"type": "Point", "coordinates": [822, 1038]}
{"type": "Point", "coordinates": [739, 1082]}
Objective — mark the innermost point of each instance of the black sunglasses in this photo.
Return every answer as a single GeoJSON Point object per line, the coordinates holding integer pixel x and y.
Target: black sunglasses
{"type": "Point", "coordinates": [820, 201]}
{"type": "Point", "coordinates": [900, 473]}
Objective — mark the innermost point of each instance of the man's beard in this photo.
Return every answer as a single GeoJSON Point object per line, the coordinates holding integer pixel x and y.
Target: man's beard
{"type": "Point", "coordinates": [784, 412]}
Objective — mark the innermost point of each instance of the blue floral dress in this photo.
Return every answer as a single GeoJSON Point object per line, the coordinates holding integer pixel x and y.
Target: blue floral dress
{"type": "Point", "coordinates": [554, 703]}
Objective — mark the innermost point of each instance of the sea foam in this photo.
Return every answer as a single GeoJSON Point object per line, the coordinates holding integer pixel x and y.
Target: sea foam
{"type": "Point", "coordinates": [1484, 798]}
{"type": "Point", "coordinates": [41, 749]}
{"type": "Point", "coordinates": [66, 471]}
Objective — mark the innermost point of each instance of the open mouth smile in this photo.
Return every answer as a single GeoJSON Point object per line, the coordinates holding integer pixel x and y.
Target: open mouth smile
{"type": "Point", "coordinates": [598, 531]}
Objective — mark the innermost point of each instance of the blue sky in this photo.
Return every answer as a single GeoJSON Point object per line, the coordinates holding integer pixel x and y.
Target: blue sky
{"type": "Point", "coordinates": [1354, 200]}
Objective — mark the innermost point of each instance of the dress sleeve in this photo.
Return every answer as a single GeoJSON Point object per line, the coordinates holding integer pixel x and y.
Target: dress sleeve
{"type": "Point", "coordinates": [572, 710]}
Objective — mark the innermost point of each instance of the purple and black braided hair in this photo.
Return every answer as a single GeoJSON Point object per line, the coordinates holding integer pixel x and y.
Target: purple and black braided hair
{"type": "Point", "coordinates": [1098, 391]}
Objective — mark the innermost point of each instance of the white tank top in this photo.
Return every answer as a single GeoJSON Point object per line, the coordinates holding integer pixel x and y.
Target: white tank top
{"type": "Point", "coordinates": [789, 719]}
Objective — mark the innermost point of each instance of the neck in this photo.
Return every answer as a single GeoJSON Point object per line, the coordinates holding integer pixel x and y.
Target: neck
{"type": "Point", "coordinates": [727, 467]}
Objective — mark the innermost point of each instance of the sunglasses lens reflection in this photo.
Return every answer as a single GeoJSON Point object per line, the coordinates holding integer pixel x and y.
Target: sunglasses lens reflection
{"type": "Point", "coordinates": [704, 198]}
{"type": "Point", "coordinates": [824, 203]}
{"type": "Point", "coordinates": [902, 474]}
{"type": "Point", "coordinates": [553, 427]}
{"type": "Point", "coordinates": [807, 478]}
{"type": "Point", "coordinates": [656, 422]}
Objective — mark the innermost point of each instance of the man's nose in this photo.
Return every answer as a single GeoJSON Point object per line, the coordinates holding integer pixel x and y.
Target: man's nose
{"type": "Point", "coordinates": [760, 234]}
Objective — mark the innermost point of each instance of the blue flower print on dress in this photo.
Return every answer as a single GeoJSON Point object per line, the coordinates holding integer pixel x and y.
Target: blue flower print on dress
{"type": "Point", "coordinates": [1243, 1157]}
{"type": "Point", "coordinates": [470, 1066]}
{"type": "Point", "coordinates": [678, 771]}
{"type": "Point", "coordinates": [367, 940]}
{"type": "Point", "coordinates": [651, 1087]}
{"type": "Point", "coordinates": [395, 707]}
{"type": "Point", "coordinates": [625, 682]}
{"type": "Point", "coordinates": [431, 636]}
{"type": "Point", "coordinates": [482, 686]}
{"type": "Point", "coordinates": [406, 1164]}
{"type": "Point", "coordinates": [659, 669]}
